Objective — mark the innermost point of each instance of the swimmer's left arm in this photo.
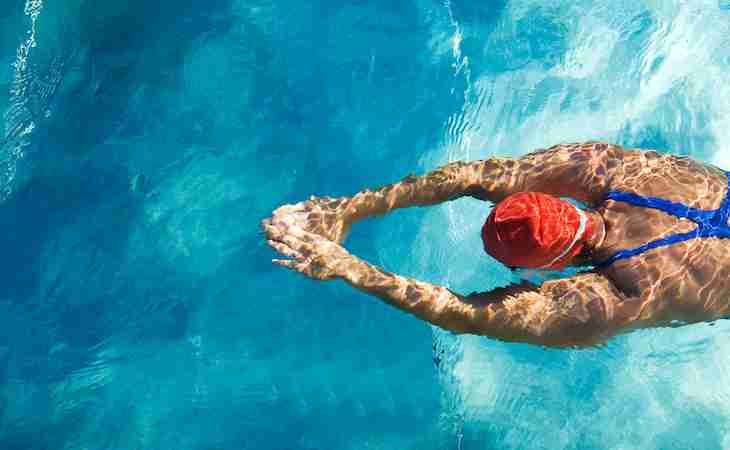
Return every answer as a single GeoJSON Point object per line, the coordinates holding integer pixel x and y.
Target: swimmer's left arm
{"type": "Point", "coordinates": [322, 259]}
{"type": "Point", "coordinates": [578, 311]}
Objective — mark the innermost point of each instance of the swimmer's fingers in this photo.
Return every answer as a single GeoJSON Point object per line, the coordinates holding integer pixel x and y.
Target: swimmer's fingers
{"type": "Point", "coordinates": [313, 268]}
{"type": "Point", "coordinates": [285, 249]}
{"type": "Point", "coordinates": [296, 218]}
{"type": "Point", "coordinates": [305, 236]}
{"type": "Point", "coordinates": [274, 232]}
{"type": "Point", "coordinates": [312, 255]}
{"type": "Point", "coordinates": [323, 216]}
{"type": "Point", "coordinates": [296, 214]}
{"type": "Point", "coordinates": [289, 263]}
{"type": "Point", "coordinates": [281, 231]}
{"type": "Point", "coordinates": [273, 227]}
{"type": "Point", "coordinates": [293, 264]}
{"type": "Point", "coordinates": [286, 242]}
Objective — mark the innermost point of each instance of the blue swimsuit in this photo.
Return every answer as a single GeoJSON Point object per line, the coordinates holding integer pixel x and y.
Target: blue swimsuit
{"type": "Point", "coordinates": [712, 223]}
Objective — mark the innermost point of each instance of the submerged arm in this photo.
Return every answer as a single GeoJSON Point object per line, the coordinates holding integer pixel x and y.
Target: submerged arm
{"type": "Point", "coordinates": [577, 311]}
{"type": "Point", "coordinates": [581, 310]}
{"type": "Point", "coordinates": [581, 171]}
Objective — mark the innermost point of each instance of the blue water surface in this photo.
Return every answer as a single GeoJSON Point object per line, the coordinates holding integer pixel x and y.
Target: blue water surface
{"type": "Point", "coordinates": [143, 142]}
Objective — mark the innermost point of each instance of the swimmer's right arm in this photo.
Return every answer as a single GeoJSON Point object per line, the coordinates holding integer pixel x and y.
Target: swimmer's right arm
{"type": "Point", "coordinates": [580, 171]}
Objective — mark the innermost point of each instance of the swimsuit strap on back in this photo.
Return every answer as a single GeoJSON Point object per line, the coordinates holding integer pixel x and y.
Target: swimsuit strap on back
{"type": "Point", "coordinates": [710, 223]}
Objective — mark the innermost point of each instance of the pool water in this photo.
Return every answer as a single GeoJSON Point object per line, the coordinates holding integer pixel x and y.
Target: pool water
{"type": "Point", "coordinates": [144, 141]}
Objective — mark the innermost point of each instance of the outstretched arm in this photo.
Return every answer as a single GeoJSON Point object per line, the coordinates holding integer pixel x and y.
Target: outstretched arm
{"type": "Point", "coordinates": [582, 310]}
{"type": "Point", "coordinates": [581, 171]}
{"type": "Point", "coordinates": [577, 311]}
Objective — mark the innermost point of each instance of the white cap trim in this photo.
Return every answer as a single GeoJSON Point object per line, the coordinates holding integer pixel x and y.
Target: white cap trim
{"type": "Point", "coordinates": [578, 235]}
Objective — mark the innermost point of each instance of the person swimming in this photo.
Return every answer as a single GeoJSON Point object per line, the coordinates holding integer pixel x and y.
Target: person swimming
{"type": "Point", "coordinates": [653, 231]}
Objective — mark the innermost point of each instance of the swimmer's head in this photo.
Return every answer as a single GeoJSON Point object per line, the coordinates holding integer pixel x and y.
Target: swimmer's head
{"type": "Point", "coordinates": [535, 230]}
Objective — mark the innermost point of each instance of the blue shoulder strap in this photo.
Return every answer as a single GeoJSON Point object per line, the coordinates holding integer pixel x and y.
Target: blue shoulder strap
{"type": "Point", "coordinates": [710, 223]}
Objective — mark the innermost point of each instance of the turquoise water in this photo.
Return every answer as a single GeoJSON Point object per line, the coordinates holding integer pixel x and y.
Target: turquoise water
{"type": "Point", "coordinates": [143, 142]}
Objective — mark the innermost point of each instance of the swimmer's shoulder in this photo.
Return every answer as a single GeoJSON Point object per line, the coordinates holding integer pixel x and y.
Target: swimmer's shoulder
{"type": "Point", "coordinates": [609, 153]}
{"type": "Point", "coordinates": [656, 173]}
{"type": "Point", "coordinates": [604, 158]}
{"type": "Point", "coordinates": [625, 160]}
{"type": "Point", "coordinates": [668, 163]}
{"type": "Point", "coordinates": [615, 167]}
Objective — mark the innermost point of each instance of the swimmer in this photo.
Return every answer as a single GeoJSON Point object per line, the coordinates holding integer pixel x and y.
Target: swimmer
{"type": "Point", "coordinates": [653, 234]}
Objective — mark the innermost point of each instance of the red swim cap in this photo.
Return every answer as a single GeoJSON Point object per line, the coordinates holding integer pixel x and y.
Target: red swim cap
{"type": "Point", "coordinates": [534, 230]}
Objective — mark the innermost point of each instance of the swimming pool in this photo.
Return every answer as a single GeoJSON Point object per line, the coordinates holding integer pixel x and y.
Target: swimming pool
{"type": "Point", "coordinates": [143, 142]}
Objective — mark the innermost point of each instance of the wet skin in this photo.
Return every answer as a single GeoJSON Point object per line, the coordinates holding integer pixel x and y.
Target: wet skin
{"type": "Point", "coordinates": [686, 282]}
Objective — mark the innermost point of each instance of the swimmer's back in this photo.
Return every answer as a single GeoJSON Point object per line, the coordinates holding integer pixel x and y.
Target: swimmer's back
{"type": "Point", "coordinates": [688, 280]}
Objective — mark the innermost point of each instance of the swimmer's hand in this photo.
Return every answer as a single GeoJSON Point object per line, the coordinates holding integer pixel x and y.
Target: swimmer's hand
{"type": "Point", "coordinates": [323, 216]}
{"type": "Point", "coordinates": [311, 254]}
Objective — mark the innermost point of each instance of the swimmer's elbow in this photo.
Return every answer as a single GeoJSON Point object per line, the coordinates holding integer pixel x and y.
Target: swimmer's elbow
{"type": "Point", "coordinates": [570, 332]}
{"type": "Point", "coordinates": [548, 331]}
{"type": "Point", "coordinates": [551, 338]}
{"type": "Point", "coordinates": [581, 337]}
